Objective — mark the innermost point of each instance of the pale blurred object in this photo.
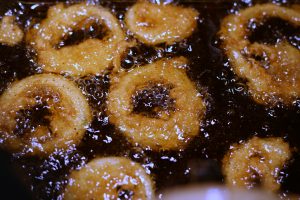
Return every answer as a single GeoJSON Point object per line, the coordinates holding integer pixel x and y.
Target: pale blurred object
{"type": "Point", "coordinates": [214, 192]}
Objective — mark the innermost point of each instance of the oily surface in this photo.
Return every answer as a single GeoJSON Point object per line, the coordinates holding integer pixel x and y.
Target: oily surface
{"type": "Point", "coordinates": [231, 114]}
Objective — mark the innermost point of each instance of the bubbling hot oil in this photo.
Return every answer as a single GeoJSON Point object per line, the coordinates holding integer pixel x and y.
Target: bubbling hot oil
{"type": "Point", "coordinates": [231, 115]}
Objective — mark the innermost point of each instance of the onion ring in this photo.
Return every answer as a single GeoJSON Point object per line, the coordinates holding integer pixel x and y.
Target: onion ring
{"type": "Point", "coordinates": [69, 114]}
{"type": "Point", "coordinates": [280, 81]}
{"type": "Point", "coordinates": [154, 24]}
{"type": "Point", "coordinates": [91, 56]}
{"type": "Point", "coordinates": [10, 33]}
{"type": "Point", "coordinates": [170, 130]}
{"type": "Point", "coordinates": [259, 159]}
{"type": "Point", "coordinates": [110, 178]}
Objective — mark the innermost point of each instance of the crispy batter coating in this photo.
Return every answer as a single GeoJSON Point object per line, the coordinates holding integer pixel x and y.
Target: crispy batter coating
{"type": "Point", "coordinates": [170, 129]}
{"type": "Point", "coordinates": [110, 178]}
{"type": "Point", "coordinates": [10, 33]}
{"type": "Point", "coordinates": [154, 24]}
{"type": "Point", "coordinates": [275, 78]}
{"type": "Point", "coordinates": [256, 163]}
{"type": "Point", "coordinates": [91, 56]}
{"type": "Point", "coordinates": [68, 116]}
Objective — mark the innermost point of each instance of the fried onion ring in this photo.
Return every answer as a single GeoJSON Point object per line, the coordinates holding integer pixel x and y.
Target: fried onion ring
{"type": "Point", "coordinates": [110, 178]}
{"type": "Point", "coordinates": [280, 80]}
{"type": "Point", "coordinates": [154, 24]}
{"type": "Point", "coordinates": [169, 130]}
{"type": "Point", "coordinates": [68, 115]}
{"type": "Point", "coordinates": [256, 162]}
{"type": "Point", "coordinates": [92, 56]}
{"type": "Point", "coordinates": [10, 33]}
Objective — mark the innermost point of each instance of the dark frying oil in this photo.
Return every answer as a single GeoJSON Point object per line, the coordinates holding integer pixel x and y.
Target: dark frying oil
{"type": "Point", "coordinates": [231, 115]}
{"type": "Point", "coordinates": [274, 30]}
{"type": "Point", "coordinates": [89, 28]}
{"type": "Point", "coordinates": [148, 101]}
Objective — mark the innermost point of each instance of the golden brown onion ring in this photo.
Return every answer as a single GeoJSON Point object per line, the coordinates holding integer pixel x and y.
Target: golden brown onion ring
{"type": "Point", "coordinates": [170, 130]}
{"type": "Point", "coordinates": [280, 80]}
{"type": "Point", "coordinates": [154, 24]}
{"type": "Point", "coordinates": [10, 33]}
{"type": "Point", "coordinates": [259, 159]}
{"type": "Point", "coordinates": [110, 178]}
{"type": "Point", "coordinates": [69, 114]}
{"type": "Point", "coordinates": [91, 56]}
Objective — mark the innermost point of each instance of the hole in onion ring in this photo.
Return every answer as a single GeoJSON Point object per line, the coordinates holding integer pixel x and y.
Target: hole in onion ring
{"type": "Point", "coordinates": [262, 58]}
{"type": "Point", "coordinates": [27, 120]}
{"type": "Point", "coordinates": [274, 30]}
{"type": "Point", "coordinates": [86, 29]}
{"type": "Point", "coordinates": [124, 193]}
{"type": "Point", "coordinates": [153, 99]}
{"type": "Point", "coordinates": [255, 178]}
